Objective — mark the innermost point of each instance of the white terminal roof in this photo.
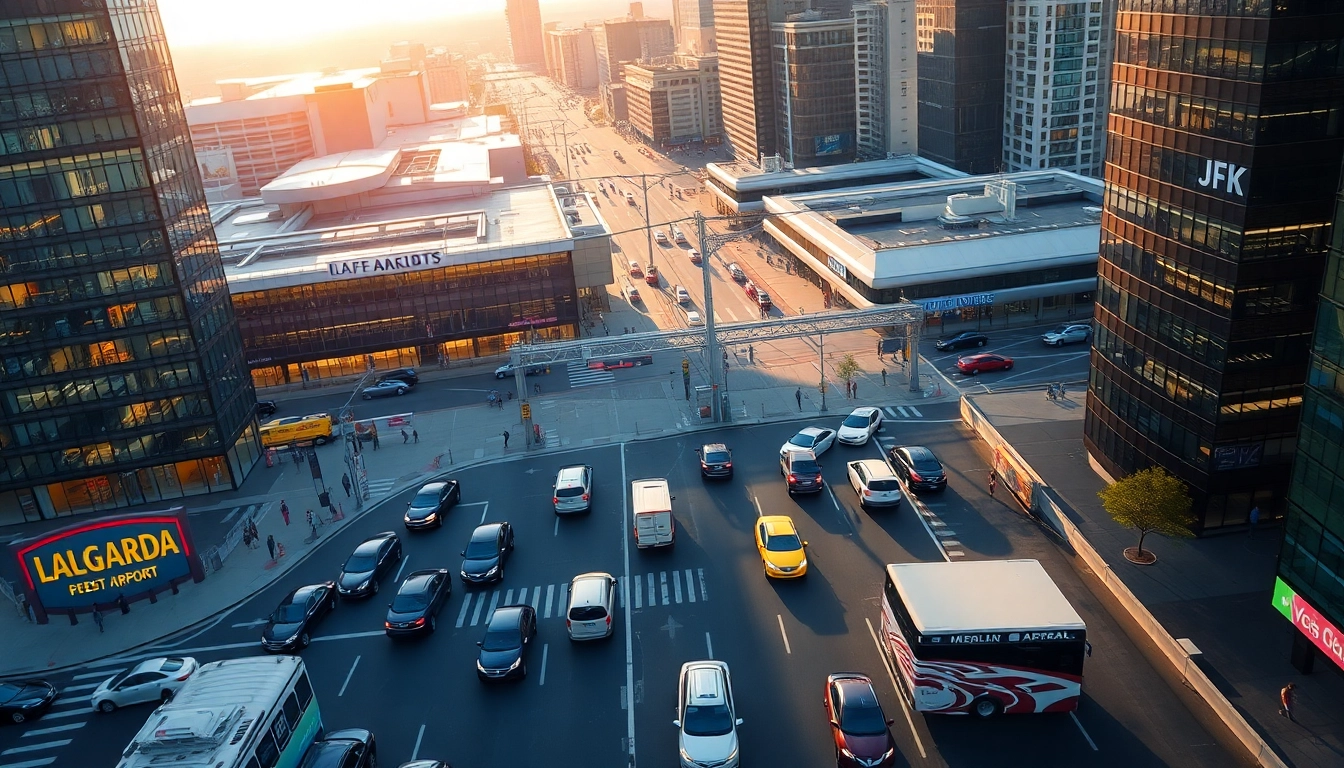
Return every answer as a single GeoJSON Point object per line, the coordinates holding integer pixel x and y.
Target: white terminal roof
{"type": "Point", "coordinates": [745, 176]}
{"type": "Point", "coordinates": [982, 596]}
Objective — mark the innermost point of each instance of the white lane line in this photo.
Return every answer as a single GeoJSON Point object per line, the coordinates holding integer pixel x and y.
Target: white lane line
{"type": "Point", "coordinates": [831, 493]}
{"type": "Point", "coordinates": [104, 675]}
{"type": "Point", "coordinates": [402, 567]}
{"type": "Point", "coordinates": [508, 597]}
{"type": "Point", "coordinates": [545, 651]}
{"type": "Point", "coordinates": [676, 586]}
{"type": "Point", "coordinates": [639, 591]}
{"type": "Point", "coordinates": [494, 600]}
{"type": "Point", "coordinates": [57, 729]}
{"type": "Point", "coordinates": [662, 582]}
{"type": "Point", "coordinates": [415, 752]}
{"type": "Point", "coordinates": [229, 516]}
{"type": "Point", "coordinates": [901, 409]}
{"type": "Point", "coordinates": [31, 763]}
{"type": "Point", "coordinates": [1090, 742]}
{"type": "Point", "coordinates": [629, 635]}
{"type": "Point", "coordinates": [347, 636]}
{"type": "Point", "coordinates": [484, 512]}
{"type": "Point", "coordinates": [704, 593]}
{"type": "Point", "coordinates": [348, 675]}
{"type": "Point", "coordinates": [36, 747]}
{"type": "Point", "coordinates": [900, 696]}
{"type": "Point", "coordinates": [784, 634]}
{"type": "Point", "coordinates": [536, 598]}
{"type": "Point", "coordinates": [653, 597]}
{"type": "Point", "coordinates": [709, 647]}
{"type": "Point", "coordinates": [556, 532]}
{"type": "Point", "coordinates": [690, 586]}
{"type": "Point", "coordinates": [757, 501]}
{"type": "Point", "coordinates": [251, 624]}
{"type": "Point", "coordinates": [550, 595]}
{"type": "Point", "coordinates": [77, 688]}
{"type": "Point", "coordinates": [80, 712]}
{"type": "Point", "coordinates": [915, 411]}
{"type": "Point", "coordinates": [480, 603]}
{"type": "Point", "coordinates": [466, 606]}
{"type": "Point", "coordinates": [924, 515]}
{"type": "Point", "coordinates": [73, 701]}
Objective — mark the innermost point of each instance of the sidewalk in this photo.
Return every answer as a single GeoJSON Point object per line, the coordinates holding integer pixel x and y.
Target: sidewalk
{"type": "Point", "coordinates": [450, 439]}
{"type": "Point", "coordinates": [1214, 590]}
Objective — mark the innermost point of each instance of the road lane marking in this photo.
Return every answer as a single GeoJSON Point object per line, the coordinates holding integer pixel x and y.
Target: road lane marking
{"type": "Point", "coordinates": [891, 412]}
{"type": "Point", "coordinates": [757, 501]}
{"type": "Point", "coordinates": [550, 595]}
{"type": "Point", "coordinates": [704, 593]}
{"type": "Point", "coordinates": [831, 493]}
{"type": "Point", "coordinates": [709, 647]}
{"type": "Point", "coordinates": [415, 752]}
{"type": "Point", "coordinates": [662, 582]}
{"type": "Point", "coordinates": [1090, 742]}
{"type": "Point", "coordinates": [480, 603]}
{"type": "Point", "coordinates": [536, 598]}
{"type": "Point", "coordinates": [676, 586]}
{"type": "Point", "coordinates": [229, 516]}
{"type": "Point", "coordinates": [690, 586]}
{"type": "Point", "coordinates": [494, 601]}
{"type": "Point", "coordinates": [556, 532]}
{"type": "Point", "coordinates": [484, 511]}
{"type": "Point", "coordinates": [402, 567]}
{"type": "Point", "coordinates": [57, 729]}
{"type": "Point", "coordinates": [84, 710]}
{"type": "Point", "coordinates": [77, 688]}
{"type": "Point", "coordinates": [103, 675]}
{"type": "Point", "coordinates": [639, 591]}
{"type": "Point", "coordinates": [36, 747]}
{"type": "Point", "coordinates": [348, 636]}
{"type": "Point", "coordinates": [901, 410]}
{"type": "Point", "coordinates": [466, 606]}
{"type": "Point", "coordinates": [545, 651]}
{"type": "Point", "coordinates": [784, 634]}
{"type": "Point", "coordinates": [250, 624]}
{"type": "Point", "coordinates": [900, 692]}
{"type": "Point", "coordinates": [629, 635]}
{"type": "Point", "coordinates": [508, 597]}
{"type": "Point", "coordinates": [348, 675]}
{"type": "Point", "coordinates": [915, 411]}
{"type": "Point", "coordinates": [31, 763]}
{"type": "Point", "coordinates": [653, 596]}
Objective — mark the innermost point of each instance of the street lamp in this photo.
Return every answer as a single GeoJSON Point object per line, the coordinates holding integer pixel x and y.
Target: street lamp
{"type": "Point", "coordinates": [709, 245]}
{"type": "Point", "coordinates": [346, 416]}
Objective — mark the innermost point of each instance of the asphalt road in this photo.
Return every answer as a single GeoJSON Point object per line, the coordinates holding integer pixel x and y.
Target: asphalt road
{"type": "Point", "coordinates": [1033, 362]}
{"type": "Point", "coordinates": [704, 597]}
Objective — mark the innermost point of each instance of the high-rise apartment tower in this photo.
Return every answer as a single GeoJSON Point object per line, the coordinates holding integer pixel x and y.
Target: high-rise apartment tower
{"type": "Point", "coordinates": [525, 43]}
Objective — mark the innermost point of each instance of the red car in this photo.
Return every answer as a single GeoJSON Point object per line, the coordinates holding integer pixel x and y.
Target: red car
{"type": "Point", "coordinates": [750, 288]}
{"type": "Point", "coordinates": [858, 725]}
{"type": "Point", "coordinates": [651, 275]}
{"type": "Point", "coordinates": [973, 364]}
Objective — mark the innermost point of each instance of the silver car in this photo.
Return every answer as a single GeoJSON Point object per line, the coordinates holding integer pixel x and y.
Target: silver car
{"type": "Point", "coordinates": [1074, 333]}
{"type": "Point", "coordinates": [706, 716]}
{"type": "Point", "coordinates": [573, 490]}
{"type": "Point", "coordinates": [592, 605]}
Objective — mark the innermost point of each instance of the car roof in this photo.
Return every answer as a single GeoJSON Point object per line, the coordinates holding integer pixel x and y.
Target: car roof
{"type": "Point", "coordinates": [486, 532]}
{"type": "Point", "coordinates": [707, 447]}
{"type": "Point", "coordinates": [857, 691]}
{"type": "Point", "coordinates": [803, 455]}
{"type": "Point", "coordinates": [704, 682]}
{"type": "Point", "coordinates": [418, 581]}
{"type": "Point", "coordinates": [506, 616]}
{"type": "Point", "coordinates": [864, 410]}
{"type": "Point", "coordinates": [304, 592]}
{"type": "Point", "coordinates": [572, 472]}
{"type": "Point", "coordinates": [589, 588]}
{"type": "Point", "coordinates": [153, 665]}
{"type": "Point", "coordinates": [778, 525]}
{"type": "Point", "coordinates": [917, 452]}
{"type": "Point", "coordinates": [877, 469]}
{"type": "Point", "coordinates": [812, 430]}
{"type": "Point", "coordinates": [371, 544]}
{"type": "Point", "coordinates": [437, 485]}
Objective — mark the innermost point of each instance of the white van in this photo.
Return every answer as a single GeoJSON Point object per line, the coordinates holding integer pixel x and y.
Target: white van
{"type": "Point", "coordinates": [652, 505]}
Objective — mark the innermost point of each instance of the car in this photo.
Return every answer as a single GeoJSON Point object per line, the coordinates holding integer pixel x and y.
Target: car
{"type": "Point", "coordinates": [290, 625]}
{"type": "Point", "coordinates": [24, 700]}
{"type": "Point", "coordinates": [736, 272]}
{"type": "Point", "coordinates": [489, 547]}
{"type": "Point", "coordinates": [419, 598]}
{"type": "Point", "coordinates": [860, 425]}
{"type": "Point", "coordinates": [874, 483]}
{"type": "Point", "coordinates": [707, 718]}
{"type": "Point", "coordinates": [801, 472]}
{"type": "Point", "coordinates": [348, 748]}
{"type": "Point", "coordinates": [962, 341]}
{"type": "Point", "coordinates": [973, 364]}
{"type": "Point", "coordinates": [407, 375]}
{"type": "Point", "coordinates": [782, 551]}
{"type": "Point", "coordinates": [693, 318]}
{"type": "Point", "coordinates": [385, 389]}
{"type": "Point", "coordinates": [695, 256]}
{"type": "Point", "coordinates": [573, 491]}
{"type": "Point", "coordinates": [651, 275]}
{"type": "Point", "coordinates": [425, 764]}
{"type": "Point", "coordinates": [859, 728]}
{"type": "Point", "coordinates": [266, 408]}
{"type": "Point", "coordinates": [716, 460]}
{"type": "Point", "coordinates": [750, 288]}
{"type": "Point", "coordinates": [373, 558]}
{"type": "Point", "coordinates": [1074, 333]}
{"type": "Point", "coordinates": [508, 369]}
{"type": "Point", "coordinates": [431, 503]}
{"type": "Point", "coordinates": [763, 301]}
{"type": "Point", "coordinates": [660, 237]}
{"type": "Point", "coordinates": [683, 296]}
{"type": "Point", "coordinates": [917, 465]}
{"type": "Point", "coordinates": [630, 196]}
{"type": "Point", "coordinates": [635, 269]}
{"type": "Point", "coordinates": [156, 680]}
{"type": "Point", "coordinates": [814, 439]}
{"type": "Point", "coordinates": [592, 603]}
{"type": "Point", "coordinates": [508, 635]}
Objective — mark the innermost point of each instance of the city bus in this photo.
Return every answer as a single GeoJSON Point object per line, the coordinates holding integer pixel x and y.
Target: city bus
{"type": "Point", "coordinates": [982, 637]}
{"type": "Point", "coordinates": [242, 713]}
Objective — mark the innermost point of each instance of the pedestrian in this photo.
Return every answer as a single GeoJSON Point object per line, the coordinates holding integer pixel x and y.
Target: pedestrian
{"type": "Point", "coordinates": [536, 389]}
{"type": "Point", "coordinates": [270, 545]}
{"type": "Point", "coordinates": [1254, 519]}
{"type": "Point", "coordinates": [123, 605]}
{"type": "Point", "coordinates": [415, 436]}
{"type": "Point", "coordinates": [247, 537]}
{"type": "Point", "coordinates": [284, 511]}
{"type": "Point", "coordinates": [993, 482]}
{"type": "Point", "coordinates": [405, 437]}
{"type": "Point", "coordinates": [884, 377]}
{"type": "Point", "coordinates": [312, 523]}
{"type": "Point", "coordinates": [1061, 389]}
{"type": "Point", "coordinates": [1288, 697]}
{"type": "Point", "coordinates": [98, 618]}
{"type": "Point", "coordinates": [345, 482]}
{"type": "Point", "coordinates": [506, 440]}
{"type": "Point", "coordinates": [798, 395]}
{"type": "Point", "coordinates": [256, 535]}
{"type": "Point", "coordinates": [855, 389]}
{"type": "Point", "coordinates": [375, 439]}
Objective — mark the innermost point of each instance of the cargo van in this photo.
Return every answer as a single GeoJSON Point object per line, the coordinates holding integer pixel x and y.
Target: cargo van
{"type": "Point", "coordinates": [652, 505]}
{"type": "Point", "coordinates": [295, 429]}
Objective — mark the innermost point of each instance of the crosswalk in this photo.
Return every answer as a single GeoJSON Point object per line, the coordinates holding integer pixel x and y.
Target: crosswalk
{"type": "Point", "coordinates": [35, 745]}
{"type": "Point", "coordinates": [902, 412]}
{"type": "Point", "coordinates": [381, 487]}
{"type": "Point", "coordinates": [648, 590]}
{"type": "Point", "coordinates": [580, 375]}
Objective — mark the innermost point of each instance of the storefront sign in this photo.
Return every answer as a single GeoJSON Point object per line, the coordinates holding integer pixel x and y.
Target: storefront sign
{"type": "Point", "coordinates": [385, 264]}
{"type": "Point", "coordinates": [1228, 457]}
{"type": "Point", "coordinates": [134, 556]}
{"type": "Point", "coordinates": [836, 266]}
{"type": "Point", "coordinates": [1309, 621]}
{"type": "Point", "coordinates": [1227, 174]}
{"type": "Point", "coordinates": [958, 302]}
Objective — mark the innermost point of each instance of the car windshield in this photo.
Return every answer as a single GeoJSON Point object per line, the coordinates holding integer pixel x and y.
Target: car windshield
{"type": "Point", "coordinates": [480, 549]}
{"type": "Point", "coordinates": [803, 439]}
{"type": "Point", "coordinates": [856, 420]}
{"type": "Point", "coordinates": [787, 543]}
{"type": "Point", "coordinates": [406, 603]}
{"type": "Point", "coordinates": [288, 614]}
{"type": "Point", "coordinates": [1060, 329]}
{"type": "Point", "coordinates": [863, 718]}
{"type": "Point", "coordinates": [708, 721]}
{"type": "Point", "coordinates": [716, 457]}
{"type": "Point", "coordinates": [425, 499]}
{"type": "Point", "coordinates": [9, 691]}
{"type": "Point", "coordinates": [360, 563]}
{"type": "Point", "coordinates": [884, 485]}
{"type": "Point", "coordinates": [568, 493]}
{"type": "Point", "coordinates": [806, 465]}
{"type": "Point", "coordinates": [500, 640]}
{"type": "Point", "coordinates": [113, 683]}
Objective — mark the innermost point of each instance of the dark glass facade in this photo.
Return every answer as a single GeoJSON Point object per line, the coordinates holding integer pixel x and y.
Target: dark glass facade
{"type": "Point", "coordinates": [746, 80]}
{"type": "Point", "coordinates": [1223, 156]}
{"type": "Point", "coordinates": [816, 118]}
{"type": "Point", "coordinates": [960, 62]}
{"type": "Point", "coordinates": [122, 378]}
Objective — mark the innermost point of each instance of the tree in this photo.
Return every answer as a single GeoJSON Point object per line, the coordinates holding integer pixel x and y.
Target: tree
{"type": "Point", "coordinates": [1149, 501]}
{"type": "Point", "coordinates": [847, 368]}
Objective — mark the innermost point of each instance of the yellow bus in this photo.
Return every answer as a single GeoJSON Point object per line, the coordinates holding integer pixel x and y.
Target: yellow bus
{"type": "Point", "coordinates": [297, 429]}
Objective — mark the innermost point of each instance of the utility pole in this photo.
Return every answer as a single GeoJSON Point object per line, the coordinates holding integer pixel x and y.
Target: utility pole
{"type": "Point", "coordinates": [714, 363]}
{"type": "Point", "coordinates": [648, 230]}
{"type": "Point", "coordinates": [822, 366]}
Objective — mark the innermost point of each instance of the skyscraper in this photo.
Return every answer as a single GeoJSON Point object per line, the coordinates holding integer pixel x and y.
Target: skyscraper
{"type": "Point", "coordinates": [631, 38]}
{"type": "Point", "coordinates": [694, 23]}
{"type": "Point", "coordinates": [960, 71]}
{"type": "Point", "coordinates": [122, 373]}
{"type": "Point", "coordinates": [525, 43]}
{"type": "Point", "coordinates": [814, 80]}
{"type": "Point", "coordinates": [1222, 159]}
{"type": "Point", "coordinates": [746, 79]}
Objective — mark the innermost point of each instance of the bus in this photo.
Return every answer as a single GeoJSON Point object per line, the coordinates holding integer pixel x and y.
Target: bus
{"type": "Point", "coordinates": [296, 429]}
{"type": "Point", "coordinates": [982, 637]}
{"type": "Point", "coordinates": [242, 713]}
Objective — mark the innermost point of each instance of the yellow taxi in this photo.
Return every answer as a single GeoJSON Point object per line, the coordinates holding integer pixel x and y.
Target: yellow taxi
{"type": "Point", "coordinates": [781, 550]}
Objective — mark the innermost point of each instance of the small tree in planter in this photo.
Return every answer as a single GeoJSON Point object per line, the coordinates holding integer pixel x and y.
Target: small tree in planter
{"type": "Point", "coordinates": [847, 369]}
{"type": "Point", "coordinates": [1149, 501]}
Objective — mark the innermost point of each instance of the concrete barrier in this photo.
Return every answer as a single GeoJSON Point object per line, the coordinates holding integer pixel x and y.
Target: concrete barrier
{"type": "Point", "coordinates": [1045, 505]}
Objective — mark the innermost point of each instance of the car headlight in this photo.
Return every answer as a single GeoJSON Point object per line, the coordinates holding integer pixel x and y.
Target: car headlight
{"type": "Point", "coordinates": [517, 663]}
{"type": "Point", "coordinates": [803, 564]}
{"type": "Point", "coordinates": [847, 753]}
{"type": "Point", "coordinates": [479, 668]}
{"type": "Point", "coordinates": [686, 756]}
{"type": "Point", "coordinates": [431, 517]}
{"type": "Point", "coordinates": [888, 753]}
{"type": "Point", "coordinates": [493, 570]}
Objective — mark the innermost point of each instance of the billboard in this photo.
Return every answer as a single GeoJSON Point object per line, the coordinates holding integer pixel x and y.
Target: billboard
{"type": "Point", "coordinates": [833, 144]}
{"type": "Point", "coordinates": [1318, 629]}
{"type": "Point", "coordinates": [133, 556]}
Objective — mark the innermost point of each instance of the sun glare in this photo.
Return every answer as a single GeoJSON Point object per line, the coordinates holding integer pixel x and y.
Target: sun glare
{"type": "Point", "coordinates": [204, 22]}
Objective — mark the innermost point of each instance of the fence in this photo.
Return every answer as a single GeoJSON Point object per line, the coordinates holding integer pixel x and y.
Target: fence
{"type": "Point", "coordinates": [213, 557]}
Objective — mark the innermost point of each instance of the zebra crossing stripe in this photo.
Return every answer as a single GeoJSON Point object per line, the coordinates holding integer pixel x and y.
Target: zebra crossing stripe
{"type": "Point", "coordinates": [494, 601]}
{"type": "Point", "coordinates": [550, 595]}
{"type": "Point", "coordinates": [476, 614]}
{"type": "Point", "coordinates": [466, 606]}
{"type": "Point", "coordinates": [690, 586]}
{"type": "Point", "coordinates": [536, 597]}
{"type": "Point", "coordinates": [676, 586]}
{"type": "Point", "coordinates": [704, 593]}
{"type": "Point", "coordinates": [639, 591]}
{"type": "Point", "coordinates": [904, 414]}
{"type": "Point", "coordinates": [891, 412]}
{"type": "Point", "coordinates": [915, 411]}
{"type": "Point", "coordinates": [653, 597]}
{"type": "Point", "coordinates": [508, 598]}
{"type": "Point", "coordinates": [662, 581]}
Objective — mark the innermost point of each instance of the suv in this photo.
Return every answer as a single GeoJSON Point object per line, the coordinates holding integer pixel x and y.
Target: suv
{"type": "Point", "coordinates": [716, 460]}
{"type": "Point", "coordinates": [573, 489]}
{"type": "Point", "coordinates": [407, 375]}
{"type": "Point", "coordinates": [801, 472]}
{"type": "Point", "coordinates": [592, 601]}
{"type": "Point", "coordinates": [706, 716]}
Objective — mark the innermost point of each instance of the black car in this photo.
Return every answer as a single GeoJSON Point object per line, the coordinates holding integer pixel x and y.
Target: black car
{"type": "Point", "coordinates": [418, 600]}
{"type": "Point", "coordinates": [483, 559]}
{"type": "Point", "coordinates": [432, 503]}
{"type": "Point", "coordinates": [266, 408]}
{"type": "Point", "coordinates": [367, 564]}
{"type": "Point", "coordinates": [962, 341]}
{"type": "Point", "coordinates": [404, 375]}
{"type": "Point", "coordinates": [350, 748]}
{"type": "Point", "coordinates": [507, 638]}
{"type": "Point", "coordinates": [801, 472]}
{"type": "Point", "coordinates": [716, 460]}
{"type": "Point", "coordinates": [24, 700]}
{"type": "Point", "coordinates": [290, 626]}
{"type": "Point", "coordinates": [918, 467]}
{"type": "Point", "coordinates": [426, 764]}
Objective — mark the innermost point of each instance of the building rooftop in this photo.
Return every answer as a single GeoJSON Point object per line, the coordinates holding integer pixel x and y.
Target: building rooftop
{"type": "Point", "coordinates": [274, 86]}
{"type": "Point", "coordinates": [745, 176]}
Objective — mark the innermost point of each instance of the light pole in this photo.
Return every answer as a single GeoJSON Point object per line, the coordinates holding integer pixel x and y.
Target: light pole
{"type": "Point", "coordinates": [709, 245]}
{"type": "Point", "coordinates": [351, 465]}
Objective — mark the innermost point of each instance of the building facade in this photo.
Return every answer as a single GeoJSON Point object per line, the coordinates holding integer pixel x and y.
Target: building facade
{"type": "Point", "coordinates": [524, 26]}
{"type": "Point", "coordinates": [693, 21]}
{"type": "Point", "coordinates": [122, 378]}
{"type": "Point", "coordinates": [574, 58]}
{"type": "Point", "coordinates": [746, 77]}
{"type": "Point", "coordinates": [1057, 84]}
{"type": "Point", "coordinates": [870, 80]}
{"type": "Point", "coordinates": [1221, 167]}
{"type": "Point", "coordinates": [447, 76]}
{"type": "Point", "coordinates": [633, 38]}
{"type": "Point", "coordinates": [814, 62]}
{"type": "Point", "coordinates": [960, 72]}
{"type": "Point", "coordinates": [674, 103]}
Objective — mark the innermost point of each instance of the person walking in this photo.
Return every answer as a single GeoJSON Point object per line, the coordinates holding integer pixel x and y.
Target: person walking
{"type": "Point", "coordinates": [247, 537]}
{"type": "Point", "coordinates": [98, 618]}
{"type": "Point", "coordinates": [884, 377]}
{"type": "Point", "coordinates": [798, 395]}
{"type": "Point", "coordinates": [123, 605]}
{"type": "Point", "coordinates": [855, 389]}
{"type": "Point", "coordinates": [405, 437]}
{"type": "Point", "coordinates": [751, 354]}
{"type": "Point", "coordinates": [415, 436]}
{"type": "Point", "coordinates": [284, 511]}
{"type": "Point", "coordinates": [256, 535]}
{"type": "Point", "coordinates": [993, 482]}
{"type": "Point", "coordinates": [270, 545]}
{"type": "Point", "coordinates": [345, 483]}
{"type": "Point", "coordinates": [375, 439]}
{"type": "Point", "coordinates": [312, 523]}
{"type": "Point", "coordinates": [1288, 698]}
{"type": "Point", "coordinates": [506, 440]}
{"type": "Point", "coordinates": [1254, 519]}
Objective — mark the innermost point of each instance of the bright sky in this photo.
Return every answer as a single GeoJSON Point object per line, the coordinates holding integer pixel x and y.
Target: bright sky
{"type": "Point", "coordinates": [198, 22]}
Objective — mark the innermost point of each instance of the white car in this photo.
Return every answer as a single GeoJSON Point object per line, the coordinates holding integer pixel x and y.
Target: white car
{"type": "Point", "coordinates": [694, 318]}
{"type": "Point", "coordinates": [156, 680]}
{"type": "Point", "coordinates": [683, 297]}
{"type": "Point", "coordinates": [814, 439]}
{"type": "Point", "coordinates": [592, 603]}
{"type": "Point", "coordinates": [659, 237]}
{"type": "Point", "coordinates": [707, 718]}
{"type": "Point", "coordinates": [860, 425]}
{"type": "Point", "coordinates": [874, 482]}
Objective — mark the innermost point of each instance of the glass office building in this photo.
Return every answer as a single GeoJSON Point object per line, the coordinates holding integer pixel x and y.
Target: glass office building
{"type": "Point", "coordinates": [960, 72]}
{"type": "Point", "coordinates": [122, 377]}
{"type": "Point", "coordinates": [1225, 138]}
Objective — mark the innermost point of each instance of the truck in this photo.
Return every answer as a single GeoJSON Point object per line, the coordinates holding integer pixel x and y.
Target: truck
{"type": "Point", "coordinates": [651, 504]}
